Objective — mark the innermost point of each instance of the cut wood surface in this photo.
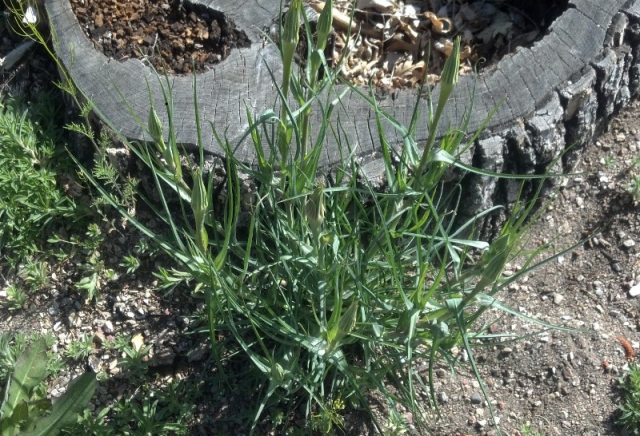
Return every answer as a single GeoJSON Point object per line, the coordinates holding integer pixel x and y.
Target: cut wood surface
{"type": "Point", "coordinates": [559, 92]}
{"type": "Point", "coordinates": [525, 80]}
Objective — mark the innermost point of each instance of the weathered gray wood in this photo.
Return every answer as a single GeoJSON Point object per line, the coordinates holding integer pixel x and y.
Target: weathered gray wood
{"type": "Point", "coordinates": [526, 80]}
{"type": "Point", "coordinates": [561, 92]}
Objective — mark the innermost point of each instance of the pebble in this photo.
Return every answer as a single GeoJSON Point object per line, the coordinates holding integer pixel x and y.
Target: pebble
{"type": "Point", "coordinates": [629, 243]}
{"type": "Point", "coordinates": [634, 291]}
{"type": "Point", "coordinates": [53, 309]}
{"type": "Point", "coordinates": [557, 299]}
{"type": "Point", "coordinates": [443, 398]}
{"type": "Point", "coordinates": [476, 398]}
{"type": "Point", "coordinates": [107, 327]}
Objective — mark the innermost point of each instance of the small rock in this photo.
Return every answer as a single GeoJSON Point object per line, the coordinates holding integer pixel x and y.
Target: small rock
{"type": "Point", "coordinates": [476, 398]}
{"type": "Point", "coordinates": [629, 243]}
{"type": "Point", "coordinates": [107, 327]}
{"type": "Point", "coordinates": [443, 398]}
{"type": "Point", "coordinates": [557, 298]}
{"type": "Point", "coordinates": [53, 309]}
{"type": "Point", "coordinates": [634, 291]}
{"type": "Point", "coordinates": [620, 137]}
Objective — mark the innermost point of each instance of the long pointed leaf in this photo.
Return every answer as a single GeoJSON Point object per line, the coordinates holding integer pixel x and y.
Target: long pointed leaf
{"type": "Point", "coordinates": [67, 407]}
{"type": "Point", "coordinates": [30, 370]}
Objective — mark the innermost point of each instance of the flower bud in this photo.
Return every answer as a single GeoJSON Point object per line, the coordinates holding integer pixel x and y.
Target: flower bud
{"type": "Point", "coordinates": [199, 206]}
{"type": "Point", "coordinates": [290, 35]}
{"type": "Point", "coordinates": [346, 324]}
{"type": "Point", "coordinates": [451, 71]}
{"type": "Point", "coordinates": [314, 208]}
{"type": "Point", "coordinates": [325, 23]}
{"type": "Point", "coordinates": [155, 129]}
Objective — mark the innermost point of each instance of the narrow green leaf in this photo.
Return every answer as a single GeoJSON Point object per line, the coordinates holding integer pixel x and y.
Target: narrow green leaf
{"type": "Point", "coordinates": [67, 407]}
{"type": "Point", "coordinates": [30, 370]}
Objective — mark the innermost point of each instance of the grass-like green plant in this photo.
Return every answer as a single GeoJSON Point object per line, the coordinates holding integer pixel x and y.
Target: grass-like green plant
{"type": "Point", "coordinates": [25, 410]}
{"type": "Point", "coordinates": [131, 263]}
{"type": "Point", "coordinates": [16, 297]}
{"type": "Point", "coordinates": [332, 289]}
{"type": "Point", "coordinates": [629, 418]}
{"type": "Point", "coordinates": [30, 195]}
{"type": "Point", "coordinates": [35, 273]}
{"type": "Point", "coordinates": [81, 348]}
{"type": "Point", "coordinates": [527, 430]}
{"type": "Point", "coordinates": [94, 270]}
{"type": "Point", "coordinates": [633, 187]}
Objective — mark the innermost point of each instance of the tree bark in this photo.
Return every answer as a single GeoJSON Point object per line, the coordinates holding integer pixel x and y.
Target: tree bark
{"type": "Point", "coordinates": [558, 93]}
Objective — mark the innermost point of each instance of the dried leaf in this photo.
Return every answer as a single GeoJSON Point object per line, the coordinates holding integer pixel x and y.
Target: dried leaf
{"type": "Point", "coordinates": [382, 6]}
{"type": "Point", "coordinates": [137, 341]}
{"type": "Point", "coordinates": [501, 25]}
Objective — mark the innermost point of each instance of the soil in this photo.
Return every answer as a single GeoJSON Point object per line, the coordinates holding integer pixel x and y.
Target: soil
{"type": "Point", "coordinates": [557, 381]}
{"type": "Point", "coordinates": [171, 34]}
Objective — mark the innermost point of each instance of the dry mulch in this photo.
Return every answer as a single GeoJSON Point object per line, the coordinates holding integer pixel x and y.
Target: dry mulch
{"type": "Point", "coordinates": [170, 33]}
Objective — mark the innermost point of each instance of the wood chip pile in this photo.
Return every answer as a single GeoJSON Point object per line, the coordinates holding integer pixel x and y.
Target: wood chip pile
{"type": "Point", "coordinates": [395, 44]}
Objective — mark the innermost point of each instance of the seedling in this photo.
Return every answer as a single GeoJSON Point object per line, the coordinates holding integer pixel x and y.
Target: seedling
{"type": "Point", "coordinates": [16, 297]}
{"type": "Point", "coordinates": [82, 348]}
{"type": "Point", "coordinates": [634, 188]}
{"type": "Point", "coordinates": [131, 263]}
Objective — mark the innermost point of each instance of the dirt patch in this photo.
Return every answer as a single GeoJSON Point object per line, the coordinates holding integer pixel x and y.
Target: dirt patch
{"type": "Point", "coordinates": [172, 34]}
{"type": "Point", "coordinates": [565, 383]}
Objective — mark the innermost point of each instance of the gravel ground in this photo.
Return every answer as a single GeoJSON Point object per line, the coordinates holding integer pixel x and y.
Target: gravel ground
{"type": "Point", "coordinates": [557, 381]}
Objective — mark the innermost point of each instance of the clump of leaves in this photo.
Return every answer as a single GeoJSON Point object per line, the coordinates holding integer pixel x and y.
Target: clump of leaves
{"type": "Point", "coordinates": [16, 297]}
{"type": "Point", "coordinates": [629, 418]}
{"type": "Point", "coordinates": [30, 196]}
{"type": "Point", "coordinates": [25, 407]}
{"type": "Point", "coordinates": [634, 188]}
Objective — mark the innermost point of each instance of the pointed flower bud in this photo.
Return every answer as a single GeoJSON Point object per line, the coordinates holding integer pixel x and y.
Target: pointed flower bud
{"type": "Point", "coordinates": [325, 23]}
{"type": "Point", "coordinates": [290, 33]}
{"type": "Point", "coordinates": [290, 37]}
{"type": "Point", "coordinates": [494, 260]}
{"type": "Point", "coordinates": [345, 326]}
{"type": "Point", "coordinates": [314, 208]}
{"type": "Point", "coordinates": [155, 129]}
{"type": "Point", "coordinates": [199, 206]}
{"type": "Point", "coordinates": [451, 71]}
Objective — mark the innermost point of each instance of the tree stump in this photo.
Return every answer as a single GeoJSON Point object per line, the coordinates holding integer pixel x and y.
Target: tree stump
{"type": "Point", "coordinates": [558, 93]}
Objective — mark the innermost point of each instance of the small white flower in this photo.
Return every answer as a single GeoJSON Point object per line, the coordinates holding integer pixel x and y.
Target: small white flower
{"type": "Point", "coordinates": [30, 16]}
